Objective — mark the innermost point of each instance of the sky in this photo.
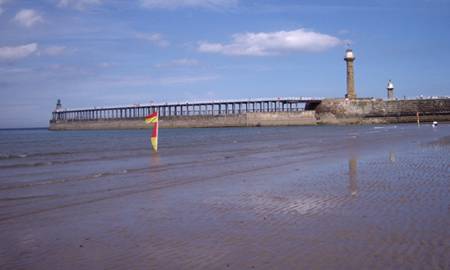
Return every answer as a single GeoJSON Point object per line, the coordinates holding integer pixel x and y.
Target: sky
{"type": "Point", "coordinates": [94, 53]}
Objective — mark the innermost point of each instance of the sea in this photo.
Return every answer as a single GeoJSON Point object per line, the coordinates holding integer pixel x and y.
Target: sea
{"type": "Point", "coordinates": [309, 197]}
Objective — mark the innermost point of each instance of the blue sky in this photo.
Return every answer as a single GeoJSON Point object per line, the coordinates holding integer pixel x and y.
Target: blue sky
{"type": "Point", "coordinates": [111, 52]}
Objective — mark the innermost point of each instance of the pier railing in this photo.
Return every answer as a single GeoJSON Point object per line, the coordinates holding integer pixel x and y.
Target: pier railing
{"type": "Point", "coordinates": [229, 107]}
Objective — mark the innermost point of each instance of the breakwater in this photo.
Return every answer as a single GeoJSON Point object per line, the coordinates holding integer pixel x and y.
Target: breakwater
{"type": "Point", "coordinates": [378, 111]}
{"type": "Point", "coordinates": [264, 112]}
{"type": "Point", "coordinates": [198, 121]}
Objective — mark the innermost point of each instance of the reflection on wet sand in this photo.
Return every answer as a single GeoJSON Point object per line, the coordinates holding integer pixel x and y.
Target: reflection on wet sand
{"type": "Point", "coordinates": [392, 157]}
{"type": "Point", "coordinates": [154, 161]}
{"type": "Point", "coordinates": [353, 176]}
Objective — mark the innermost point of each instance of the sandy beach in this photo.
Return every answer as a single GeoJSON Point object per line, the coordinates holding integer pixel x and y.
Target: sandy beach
{"type": "Point", "coordinates": [355, 197]}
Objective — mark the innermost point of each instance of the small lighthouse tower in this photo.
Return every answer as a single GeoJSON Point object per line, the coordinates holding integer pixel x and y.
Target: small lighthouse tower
{"type": "Point", "coordinates": [390, 90]}
{"type": "Point", "coordinates": [349, 58]}
{"type": "Point", "coordinates": [58, 105]}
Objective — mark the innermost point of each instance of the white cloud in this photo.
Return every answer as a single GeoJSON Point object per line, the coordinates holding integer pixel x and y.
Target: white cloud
{"type": "Point", "coordinates": [14, 70]}
{"type": "Point", "coordinates": [173, 4]}
{"type": "Point", "coordinates": [183, 62]}
{"type": "Point", "coordinates": [259, 44]}
{"type": "Point", "coordinates": [185, 79]}
{"type": "Point", "coordinates": [78, 4]}
{"type": "Point", "coordinates": [154, 38]}
{"type": "Point", "coordinates": [54, 50]}
{"type": "Point", "coordinates": [28, 17]}
{"type": "Point", "coordinates": [135, 81]}
{"type": "Point", "coordinates": [2, 2]}
{"type": "Point", "coordinates": [106, 64]}
{"type": "Point", "coordinates": [17, 52]}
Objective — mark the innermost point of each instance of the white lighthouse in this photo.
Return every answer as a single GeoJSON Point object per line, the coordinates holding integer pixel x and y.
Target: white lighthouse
{"type": "Point", "coordinates": [390, 90]}
{"type": "Point", "coordinates": [349, 58]}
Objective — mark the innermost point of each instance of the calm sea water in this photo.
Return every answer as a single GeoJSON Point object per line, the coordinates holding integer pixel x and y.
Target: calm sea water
{"type": "Point", "coordinates": [326, 196]}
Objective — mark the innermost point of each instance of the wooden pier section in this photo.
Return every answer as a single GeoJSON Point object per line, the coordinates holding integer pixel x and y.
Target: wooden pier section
{"type": "Point", "coordinates": [211, 108]}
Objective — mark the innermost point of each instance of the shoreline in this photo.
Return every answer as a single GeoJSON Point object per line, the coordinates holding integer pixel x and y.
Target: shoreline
{"type": "Point", "coordinates": [319, 124]}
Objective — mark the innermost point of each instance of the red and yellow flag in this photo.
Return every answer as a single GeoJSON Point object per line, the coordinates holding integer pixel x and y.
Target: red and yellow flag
{"type": "Point", "coordinates": [153, 119]}
{"type": "Point", "coordinates": [154, 138]}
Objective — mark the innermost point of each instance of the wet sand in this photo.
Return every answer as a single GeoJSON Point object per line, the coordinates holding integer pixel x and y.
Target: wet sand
{"type": "Point", "coordinates": [362, 197]}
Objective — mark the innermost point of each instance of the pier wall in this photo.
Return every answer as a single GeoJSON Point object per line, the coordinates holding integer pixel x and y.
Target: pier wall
{"type": "Point", "coordinates": [374, 111]}
{"type": "Point", "coordinates": [251, 119]}
{"type": "Point", "coordinates": [329, 111]}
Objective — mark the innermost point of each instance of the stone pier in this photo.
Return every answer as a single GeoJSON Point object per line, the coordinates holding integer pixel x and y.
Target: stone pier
{"type": "Point", "coordinates": [379, 111]}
